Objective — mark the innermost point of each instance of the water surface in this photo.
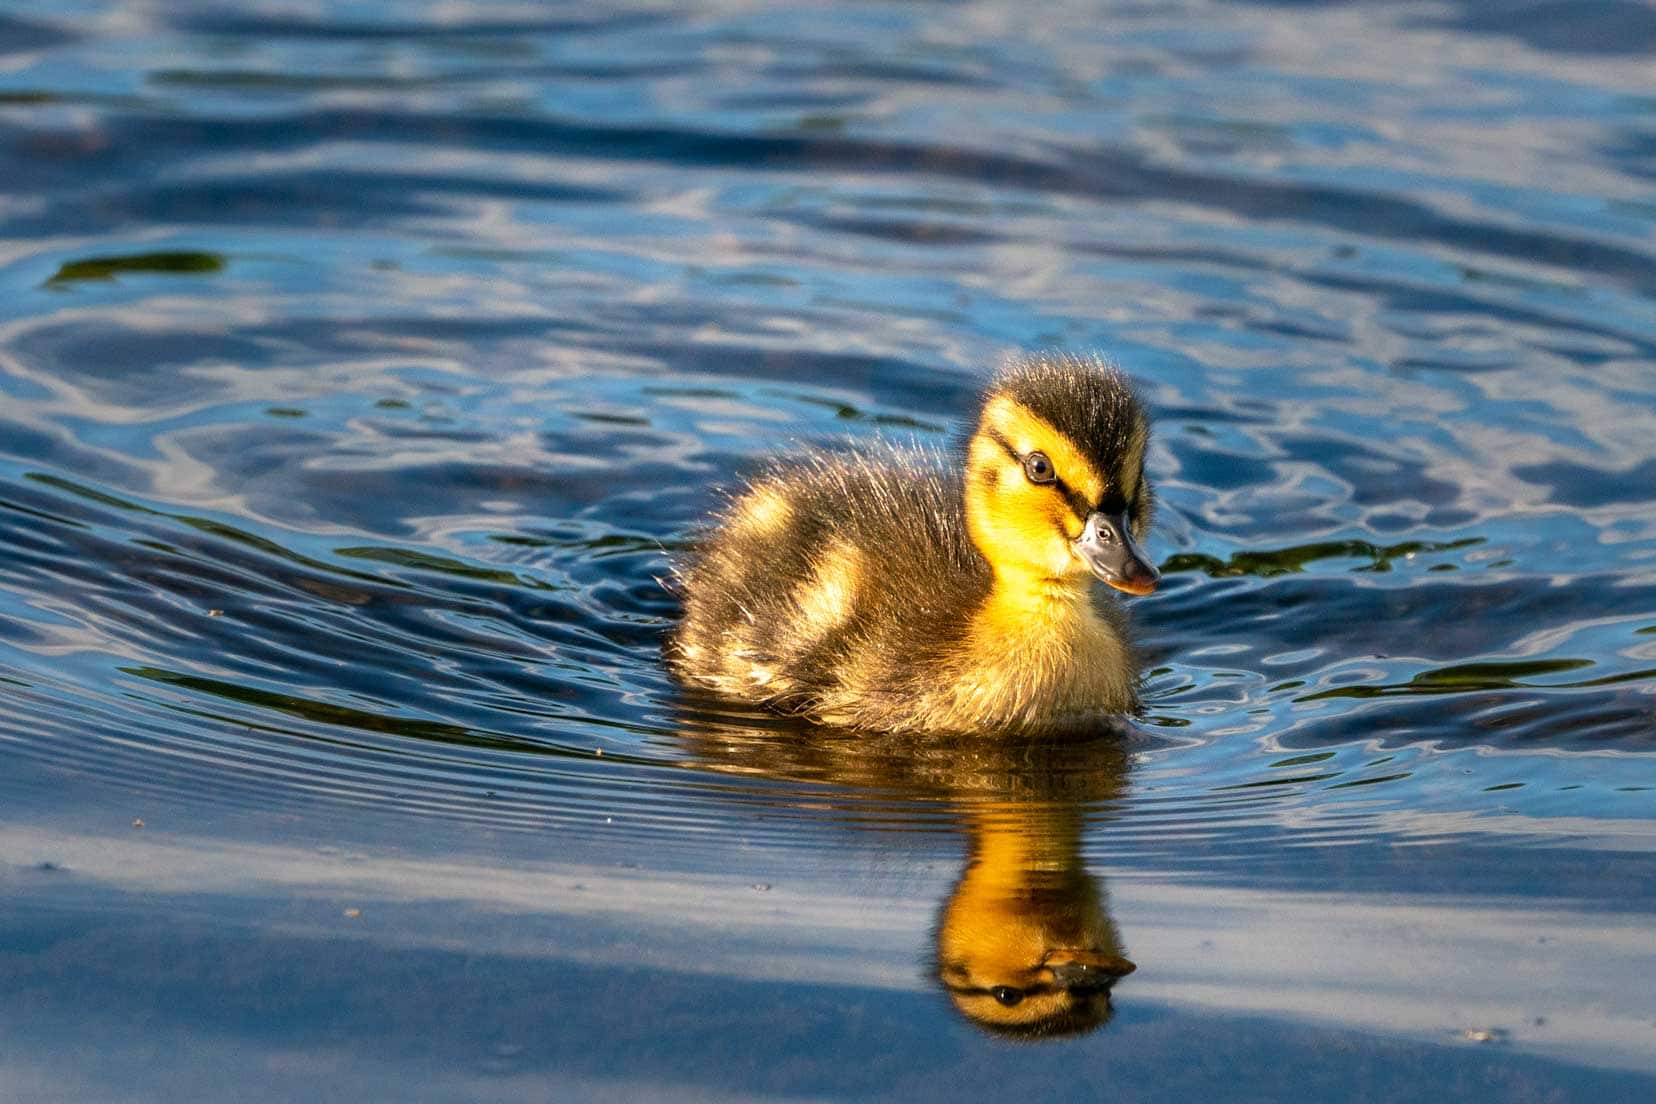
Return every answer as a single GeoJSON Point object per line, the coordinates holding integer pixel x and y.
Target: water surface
{"type": "Point", "coordinates": [362, 365]}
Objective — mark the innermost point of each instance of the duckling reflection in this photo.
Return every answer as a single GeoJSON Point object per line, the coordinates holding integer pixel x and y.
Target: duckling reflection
{"type": "Point", "coordinates": [1024, 945]}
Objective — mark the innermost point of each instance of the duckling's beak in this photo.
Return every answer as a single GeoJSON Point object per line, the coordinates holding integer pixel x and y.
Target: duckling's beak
{"type": "Point", "coordinates": [1106, 544]}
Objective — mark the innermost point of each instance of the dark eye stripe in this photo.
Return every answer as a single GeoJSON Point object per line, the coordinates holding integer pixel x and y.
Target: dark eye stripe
{"type": "Point", "coordinates": [1077, 503]}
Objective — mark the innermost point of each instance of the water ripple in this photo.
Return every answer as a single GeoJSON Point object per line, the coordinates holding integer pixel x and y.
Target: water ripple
{"type": "Point", "coordinates": [361, 373]}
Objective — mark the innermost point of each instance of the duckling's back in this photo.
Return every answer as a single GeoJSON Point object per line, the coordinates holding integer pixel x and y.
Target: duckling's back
{"type": "Point", "coordinates": [830, 587]}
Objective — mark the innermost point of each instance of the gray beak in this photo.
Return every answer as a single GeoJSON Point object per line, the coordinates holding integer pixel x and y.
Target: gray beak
{"type": "Point", "coordinates": [1107, 546]}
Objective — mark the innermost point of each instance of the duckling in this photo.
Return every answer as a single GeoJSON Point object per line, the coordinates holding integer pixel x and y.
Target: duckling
{"type": "Point", "coordinates": [892, 591]}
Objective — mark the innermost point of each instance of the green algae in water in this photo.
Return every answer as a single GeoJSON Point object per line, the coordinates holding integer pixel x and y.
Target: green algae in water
{"type": "Point", "coordinates": [1460, 678]}
{"type": "Point", "coordinates": [172, 263]}
{"type": "Point", "coordinates": [1296, 558]}
{"type": "Point", "coordinates": [334, 716]}
{"type": "Point", "coordinates": [447, 565]}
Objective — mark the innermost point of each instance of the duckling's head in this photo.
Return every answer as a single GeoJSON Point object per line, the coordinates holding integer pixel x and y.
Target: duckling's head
{"type": "Point", "coordinates": [1055, 484]}
{"type": "Point", "coordinates": [1038, 962]}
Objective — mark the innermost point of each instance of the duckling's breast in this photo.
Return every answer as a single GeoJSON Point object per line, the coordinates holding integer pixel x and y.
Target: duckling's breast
{"type": "Point", "coordinates": [1052, 658]}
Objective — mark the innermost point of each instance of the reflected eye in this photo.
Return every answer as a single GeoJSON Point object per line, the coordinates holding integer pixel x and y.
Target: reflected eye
{"type": "Point", "coordinates": [1038, 468]}
{"type": "Point", "coordinates": [1005, 994]}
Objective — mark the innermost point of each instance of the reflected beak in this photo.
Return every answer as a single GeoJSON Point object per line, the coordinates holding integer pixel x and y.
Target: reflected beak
{"type": "Point", "coordinates": [1087, 969]}
{"type": "Point", "coordinates": [1107, 546]}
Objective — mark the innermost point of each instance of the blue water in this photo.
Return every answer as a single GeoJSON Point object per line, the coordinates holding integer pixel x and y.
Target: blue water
{"type": "Point", "coordinates": [363, 364]}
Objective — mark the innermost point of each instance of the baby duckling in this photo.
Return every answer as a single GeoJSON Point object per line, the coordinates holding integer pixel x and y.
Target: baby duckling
{"type": "Point", "coordinates": [890, 592]}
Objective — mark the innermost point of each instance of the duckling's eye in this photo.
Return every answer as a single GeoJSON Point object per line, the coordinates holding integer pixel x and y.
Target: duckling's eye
{"type": "Point", "coordinates": [1005, 994]}
{"type": "Point", "coordinates": [1038, 468]}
